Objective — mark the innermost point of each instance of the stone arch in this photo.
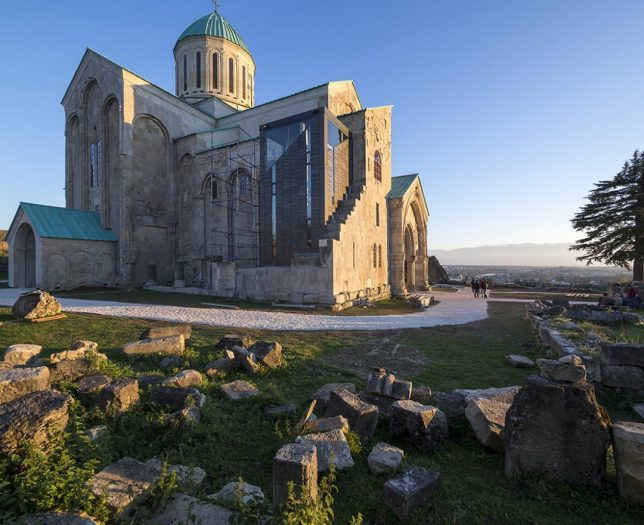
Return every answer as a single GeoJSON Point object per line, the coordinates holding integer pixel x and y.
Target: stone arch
{"type": "Point", "coordinates": [56, 271]}
{"type": "Point", "coordinates": [150, 201]}
{"type": "Point", "coordinates": [111, 187]}
{"type": "Point", "coordinates": [24, 254]}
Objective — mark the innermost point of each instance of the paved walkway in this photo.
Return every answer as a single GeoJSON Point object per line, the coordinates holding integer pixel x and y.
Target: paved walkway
{"type": "Point", "coordinates": [454, 308]}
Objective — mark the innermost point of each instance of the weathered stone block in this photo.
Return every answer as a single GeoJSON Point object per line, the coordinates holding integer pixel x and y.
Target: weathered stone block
{"type": "Point", "coordinates": [239, 389]}
{"type": "Point", "coordinates": [21, 354]}
{"type": "Point", "coordinates": [268, 353]}
{"type": "Point", "coordinates": [172, 345]}
{"type": "Point", "coordinates": [176, 398]}
{"type": "Point", "coordinates": [35, 305]}
{"type": "Point", "coordinates": [487, 419]}
{"type": "Point", "coordinates": [183, 509]}
{"type": "Point", "coordinates": [79, 353]}
{"type": "Point", "coordinates": [36, 416]}
{"type": "Point", "coordinates": [323, 393]}
{"type": "Point", "coordinates": [17, 382]}
{"type": "Point", "coordinates": [332, 448]}
{"type": "Point", "coordinates": [186, 477]}
{"type": "Point", "coordinates": [561, 371]}
{"type": "Point", "coordinates": [622, 354]}
{"type": "Point", "coordinates": [628, 447]}
{"type": "Point", "coordinates": [171, 361]}
{"type": "Point", "coordinates": [90, 387]}
{"type": "Point", "coordinates": [519, 361]}
{"type": "Point", "coordinates": [424, 426]}
{"type": "Point", "coordinates": [221, 366]}
{"type": "Point", "coordinates": [249, 493]}
{"type": "Point", "coordinates": [120, 395]}
{"type": "Point", "coordinates": [385, 459]}
{"type": "Point", "coordinates": [557, 430]}
{"type": "Point", "coordinates": [296, 463]}
{"type": "Point", "coordinates": [186, 417]}
{"type": "Point", "coordinates": [411, 489]}
{"type": "Point", "coordinates": [325, 424]}
{"type": "Point", "coordinates": [628, 377]}
{"type": "Point", "coordinates": [82, 344]}
{"type": "Point", "coordinates": [401, 389]}
{"type": "Point", "coordinates": [422, 394]}
{"type": "Point", "coordinates": [69, 370]}
{"type": "Point", "coordinates": [362, 416]}
{"type": "Point", "coordinates": [375, 380]}
{"type": "Point", "coordinates": [228, 341]}
{"type": "Point", "coordinates": [159, 332]}
{"type": "Point", "coordinates": [124, 484]}
{"type": "Point", "coordinates": [184, 379]}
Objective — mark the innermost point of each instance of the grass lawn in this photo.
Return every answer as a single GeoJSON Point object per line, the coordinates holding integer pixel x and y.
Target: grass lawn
{"type": "Point", "coordinates": [391, 306]}
{"type": "Point", "coordinates": [234, 438]}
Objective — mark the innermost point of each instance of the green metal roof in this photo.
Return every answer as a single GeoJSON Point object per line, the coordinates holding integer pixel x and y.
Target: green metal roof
{"type": "Point", "coordinates": [399, 185]}
{"type": "Point", "coordinates": [66, 223]}
{"type": "Point", "coordinates": [214, 25]}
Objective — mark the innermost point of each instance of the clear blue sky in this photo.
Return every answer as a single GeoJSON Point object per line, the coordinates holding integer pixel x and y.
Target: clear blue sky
{"type": "Point", "coordinates": [510, 109]}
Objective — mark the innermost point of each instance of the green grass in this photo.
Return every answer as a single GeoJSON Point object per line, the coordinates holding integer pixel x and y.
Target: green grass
{"type": "Point", "coordinates": [391, 306]}
{"type": "Point", "coordinates": [235, 439]}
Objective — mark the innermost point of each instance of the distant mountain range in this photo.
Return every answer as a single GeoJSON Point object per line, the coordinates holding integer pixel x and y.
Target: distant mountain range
{"type": "Point", "coordinates": [525, 254]}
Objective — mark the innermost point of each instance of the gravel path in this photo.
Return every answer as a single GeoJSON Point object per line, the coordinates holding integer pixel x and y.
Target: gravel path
{"type": "Point", "coordinates": [454, 308]}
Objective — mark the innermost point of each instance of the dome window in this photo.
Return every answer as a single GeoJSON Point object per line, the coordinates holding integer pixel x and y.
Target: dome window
{"type": "Point", "coordinates": [198, 58]}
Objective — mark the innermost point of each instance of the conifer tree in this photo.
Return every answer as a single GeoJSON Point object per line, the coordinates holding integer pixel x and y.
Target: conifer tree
{"type": "Point", "coordinates": [613, 220]}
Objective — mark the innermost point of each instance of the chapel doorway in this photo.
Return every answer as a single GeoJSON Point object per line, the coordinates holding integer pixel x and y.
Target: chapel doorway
{"type": "Point", "coordinates": [25, 258]}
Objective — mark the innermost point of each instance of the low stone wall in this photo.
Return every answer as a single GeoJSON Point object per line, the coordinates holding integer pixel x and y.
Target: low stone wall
{"type": "Point", "coordinates": [622, 366]}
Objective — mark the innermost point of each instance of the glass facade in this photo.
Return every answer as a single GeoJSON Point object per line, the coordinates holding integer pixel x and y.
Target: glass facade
{"type": "Point", "coordinates": [280, 143]}
{"type": "Point", "coordinates": [335, 137]}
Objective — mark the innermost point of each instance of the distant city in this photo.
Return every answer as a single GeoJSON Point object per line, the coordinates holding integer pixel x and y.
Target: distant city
{"type": "Point", "coordinates": [595, 278]}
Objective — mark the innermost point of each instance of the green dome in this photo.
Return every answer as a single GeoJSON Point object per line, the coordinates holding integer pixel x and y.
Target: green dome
{"type": "Point", "coordinates": [214, 25]}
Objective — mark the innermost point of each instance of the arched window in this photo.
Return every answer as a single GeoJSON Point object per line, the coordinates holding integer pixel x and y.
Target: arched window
{"type": "Point", "coordinates": [244, 184]}
{"type": "Point", "coordinates": [231, 75]}
{"type": "Point", "coordinates": [185, 72]}
{"type": "Point", "coordinates": [244, 82]}
{"type": "Point", "coordinates": [375, 256]}
{"type": "Point", "coordinates": [377, 166]}
{"type": "Point", "coordinates": [380, 256]}
{"type": "Point", "coordinates": [213, 188]}
{"type": "Point", "coordinates": [215, 71]}
{"type": "Point", "coordinates": [198, 70]}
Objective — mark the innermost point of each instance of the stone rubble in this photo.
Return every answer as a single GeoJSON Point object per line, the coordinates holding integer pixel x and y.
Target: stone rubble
{"type": "Point", "coordinates": [385, 458]}
{"type": "Point", "coordinates": [332, 448]}
{"type": "Point", "coordinates": [519, 361]}
{"type": "Point", "coordinates": [275, 412]}
{"type": "Point", "coordinates": [36, 305]}
{"type": "Point", "coordinates": [20, 354]}
{"type": "Point", "coordinates": [119, 396]}
{"type": "Point", "coordinates": [411, 489]}
{"type": "Point", "coordinates": [487, 419]}
{"type": "Point", "coordinates": [176, 398]}
{"type": "Point", "coordinates": [424, 426]}
{"type": "Point", "coordinates": [17, 382]}
{"type": "Point", "coordinates": [184, 379]}
{"type": "Point", "coordinates": [362, 417]}
{"type": "Point", "coordinates": [628, 448]}
{"type": "Point", "coordinates": [159, 332]}
{"type": "Point", "coordinates": [249, 493]}
{"type": "Point", "coordinates": [323, 394]}
{"type": "Point", "coordinates": [297, 463]}
{"type": "Point", "coordinates": [182, 509]}
{"type": "Point", "coordinates": [239, 389]}
{"type": "Point", "coordinates": [171, 345]}
{"type": "Point", "coordinates": [568, 368]}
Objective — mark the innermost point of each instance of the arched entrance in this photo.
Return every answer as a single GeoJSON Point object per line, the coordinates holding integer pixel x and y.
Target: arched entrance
{"type": "Point", "coordinates": [25, 257]}
{"type": "Point", "coordinates": [410, 258]}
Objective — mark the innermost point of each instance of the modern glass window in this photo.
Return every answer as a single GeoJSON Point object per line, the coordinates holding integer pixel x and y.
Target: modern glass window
{"type": "Point", "coordinates": [198, 58]}
{"type": "Point", "coordinates": [377, 166]}
{"type": "Point", "coordinates": [335, 137]}
{"type": "Point", "coordinates": [279, 141]}
{"type": "Point", "coordinates": [231, 75]}
{"type": "Point", "coordinates": [215, 71]}
{"type": "Point", "coordinates": [185, 72]}
{"type": "Point", "coordinates": [244, 82]}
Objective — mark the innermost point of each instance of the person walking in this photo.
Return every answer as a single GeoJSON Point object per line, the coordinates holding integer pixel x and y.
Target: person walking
{"type": "Point", "coordinates": [472, 282]}
{"type": "Point", "coordinates": [477, 287]}
{"type": "Point", "coordinates": [483, 284]}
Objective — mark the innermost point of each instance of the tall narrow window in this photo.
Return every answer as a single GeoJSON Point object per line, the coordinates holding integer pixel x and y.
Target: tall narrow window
{"type": "Point", "coordinates": [252, 92]}
{"type": "Point", "coordinates": [377, 214]}
{"type": "Point", "coordinates": [213, 188]}
{"type": "Point", "coordinates": [185, 72]}
{"type": "Point", "coordinates": [309, 186]}
{"type": "Point", "coordinates": [380, 256]}
{"type": "Point", "coordinates": [244, 82]}
{"type": "Point", "coordinates": [198, 70]}
{"type": "Point", "coordinates": [377, 166]}
{"type": "Point", "coordinates": [244, 183]}
{"type": "Point", "coordinates": [215, 71]}
{"type": "Point", "coordinates": [375, 256]}
{"type": "Point", "coordinates": [231, 75]}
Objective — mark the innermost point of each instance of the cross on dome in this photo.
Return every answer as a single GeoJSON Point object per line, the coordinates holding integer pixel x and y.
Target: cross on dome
{"type": "Point", "coordinates": [215, 4]}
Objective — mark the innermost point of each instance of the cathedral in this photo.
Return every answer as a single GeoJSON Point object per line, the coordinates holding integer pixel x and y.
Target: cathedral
{"type": "Point", "coordinates": [203, 191]}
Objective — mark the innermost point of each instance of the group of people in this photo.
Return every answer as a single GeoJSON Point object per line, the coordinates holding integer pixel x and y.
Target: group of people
{"type": "Point", "coordinates": [479, 287]}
